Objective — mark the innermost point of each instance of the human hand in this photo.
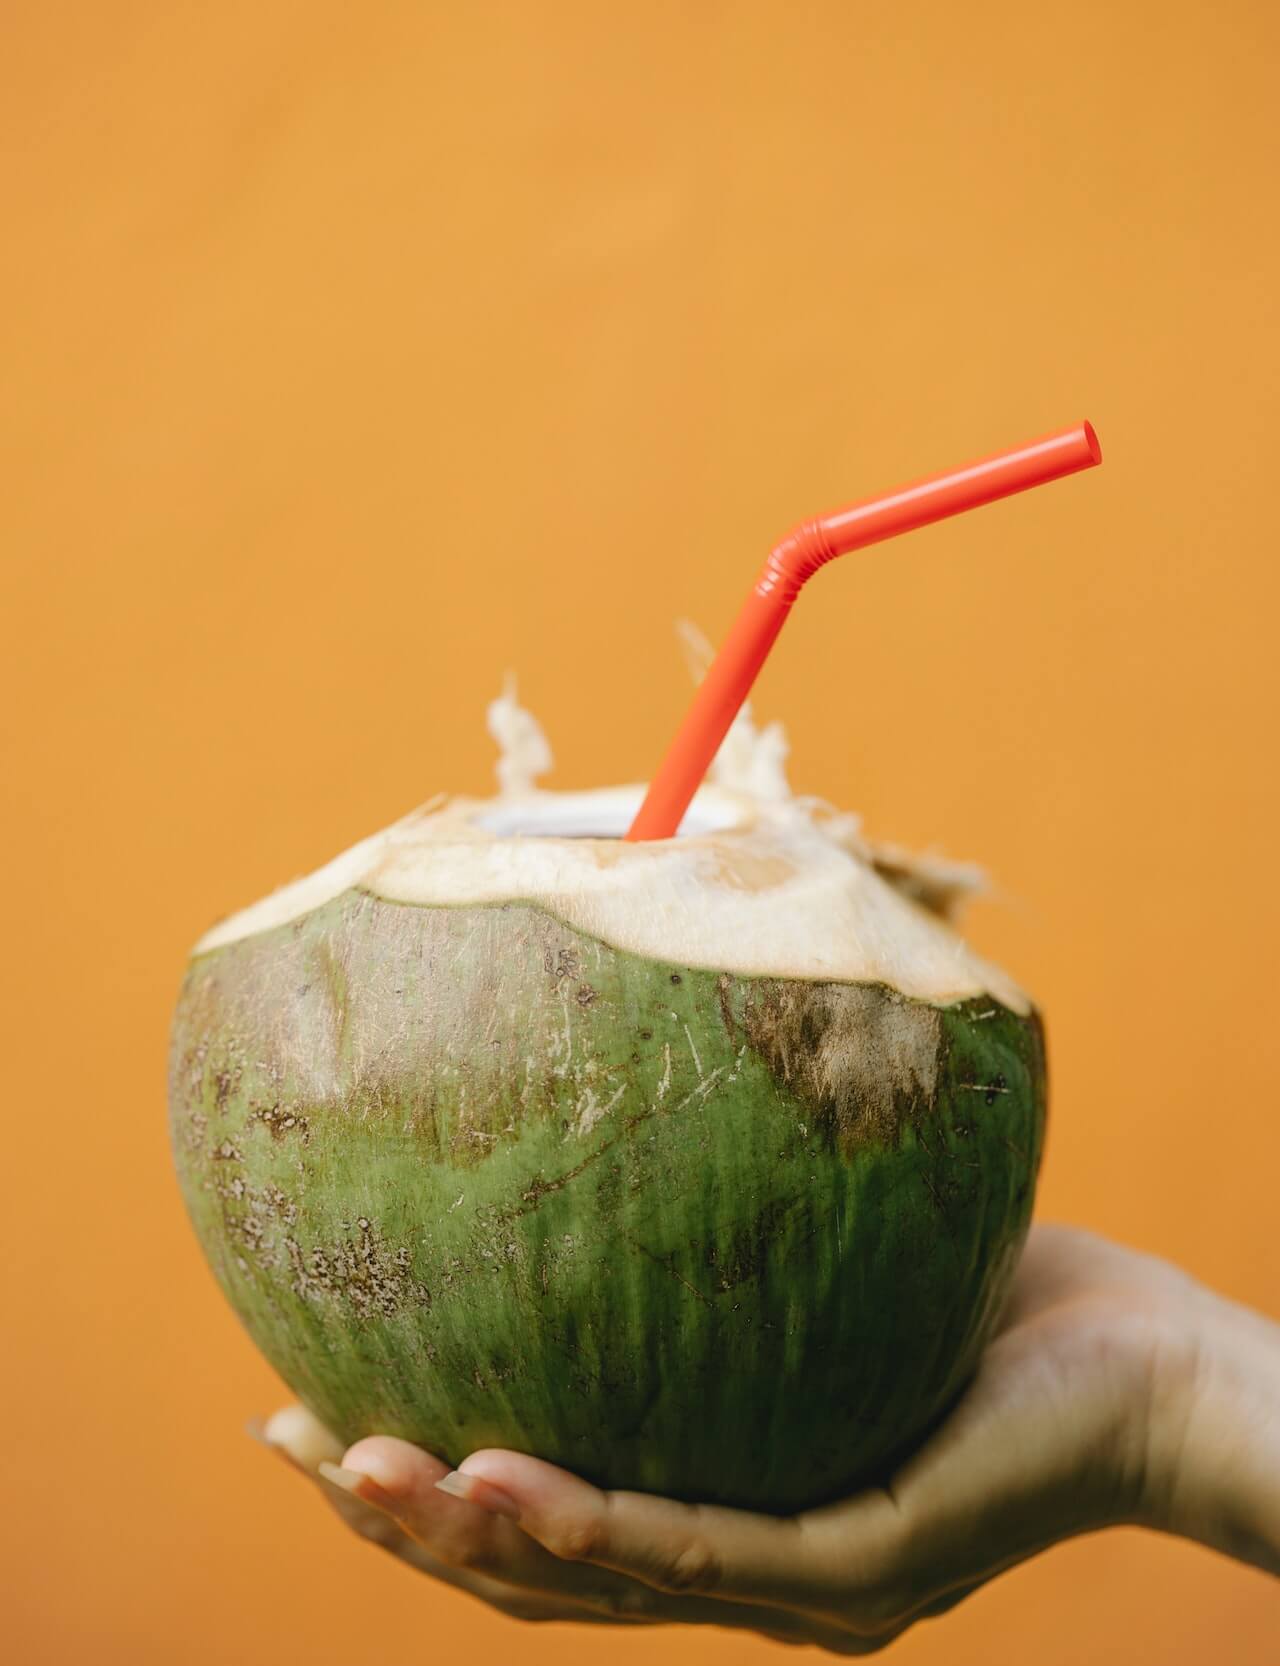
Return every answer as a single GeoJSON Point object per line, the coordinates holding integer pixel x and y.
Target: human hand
{"type": "Point", "coordinates": [1117, 1390]}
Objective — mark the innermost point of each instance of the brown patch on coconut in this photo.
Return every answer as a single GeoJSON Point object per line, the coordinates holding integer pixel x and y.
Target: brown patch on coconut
{"type": "Point", "coordinates": [862, 1058]}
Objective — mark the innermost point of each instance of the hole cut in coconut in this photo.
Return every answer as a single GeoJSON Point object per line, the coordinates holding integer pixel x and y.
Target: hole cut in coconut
{"type": "Point", "coordinates": [750, 762]}
{"type": "Point", "coordinates": [591, 815]}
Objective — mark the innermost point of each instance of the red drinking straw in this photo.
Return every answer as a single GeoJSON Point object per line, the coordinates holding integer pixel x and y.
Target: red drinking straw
{"type": "Point", "coordinates": [810, 546]}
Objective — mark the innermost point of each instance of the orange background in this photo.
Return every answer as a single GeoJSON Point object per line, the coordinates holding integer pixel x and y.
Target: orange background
{"type": "Point", "coordinates": [354, 354]}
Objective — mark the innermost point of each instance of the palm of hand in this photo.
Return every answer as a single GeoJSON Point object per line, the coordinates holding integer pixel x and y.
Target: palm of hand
{"type": "Point", "coordinates": [1057, 1435]}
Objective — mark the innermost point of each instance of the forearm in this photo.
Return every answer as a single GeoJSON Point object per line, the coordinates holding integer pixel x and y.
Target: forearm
{"type": "Point", "coordinates": [1222, 1455]}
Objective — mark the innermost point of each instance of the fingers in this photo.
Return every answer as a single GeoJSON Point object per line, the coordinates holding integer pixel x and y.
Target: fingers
{"type": "Point", "coordinates": [808, 1563]}
{"type": "Point", "coordinates": [307, 1446]}
{"type": "Point", "coordinates": [400, 1480]}
{"type": "Point", "coordinates": [538, 1543]}
{"type": "Point", "coordinates": [479, 1532]}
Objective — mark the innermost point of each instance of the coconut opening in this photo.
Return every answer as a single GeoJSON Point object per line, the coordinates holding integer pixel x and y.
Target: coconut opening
{"type": "Point", "coordinates": [592, 816]}
{"type": "Point", "coordinates": [751, 763]}
{"type": "Point", "coordinates": [756, 881]}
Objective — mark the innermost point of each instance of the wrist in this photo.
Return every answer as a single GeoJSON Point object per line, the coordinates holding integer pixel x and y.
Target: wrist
{"type": "Point", "coordinates": [1214, 1441]}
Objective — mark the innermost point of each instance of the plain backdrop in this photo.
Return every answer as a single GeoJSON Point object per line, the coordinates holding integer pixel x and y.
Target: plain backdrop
{"type": "Point", "coordinates": [352, 355]}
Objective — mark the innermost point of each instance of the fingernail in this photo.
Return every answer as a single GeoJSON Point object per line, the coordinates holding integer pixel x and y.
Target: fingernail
{"type": "Point", "coordinates": [483, 1493]}
{"type": "Point", "coordinates": [348, 1479]}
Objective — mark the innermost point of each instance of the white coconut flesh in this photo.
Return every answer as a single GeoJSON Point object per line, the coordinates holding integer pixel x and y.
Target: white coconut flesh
{"type": "Point", "coordinates": [757, 882]}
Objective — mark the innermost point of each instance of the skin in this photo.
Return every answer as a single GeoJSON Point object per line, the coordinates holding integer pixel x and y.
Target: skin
{"type": "Point", "coordinates": [1116, 1391]}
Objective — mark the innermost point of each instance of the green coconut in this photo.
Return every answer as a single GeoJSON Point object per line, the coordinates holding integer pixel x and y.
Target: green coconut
{"type": "Point", "coordinates": [699, 1167]}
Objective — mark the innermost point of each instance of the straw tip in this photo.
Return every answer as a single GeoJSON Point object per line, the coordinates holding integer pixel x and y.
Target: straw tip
{"type": "Point", "coordinates": [1091, 440]}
